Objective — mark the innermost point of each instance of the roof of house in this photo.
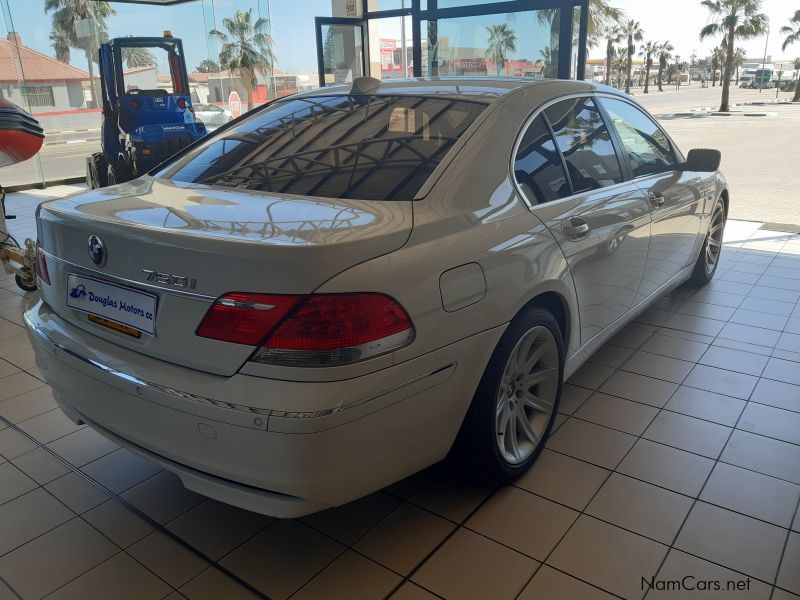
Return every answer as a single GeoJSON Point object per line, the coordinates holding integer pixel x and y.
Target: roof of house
{"type": "Point", "coordinates": [35, 65]}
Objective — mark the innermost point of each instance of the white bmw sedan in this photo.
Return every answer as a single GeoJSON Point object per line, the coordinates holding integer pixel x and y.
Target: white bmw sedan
{"type": "Point", "coordinates": [347, 285]}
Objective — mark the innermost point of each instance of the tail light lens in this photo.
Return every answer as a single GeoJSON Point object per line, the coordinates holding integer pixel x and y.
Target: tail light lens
{"type": "Point", "coordinates": [134, 104]}
{"type": "Point", "coordinates": [247, 319]}
{"type": "Point", "coordinates": [181, 102]}
{"type": "Point", "coordinates": [41, 264]}
{"type": "Point", "coordinates": [312, 331]}
{"type": "Point", "coordinates": [336, 329]}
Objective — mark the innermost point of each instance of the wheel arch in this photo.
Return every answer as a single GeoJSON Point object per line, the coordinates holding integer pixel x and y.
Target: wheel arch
{"type": "Point", "coordinates": [559, 307]}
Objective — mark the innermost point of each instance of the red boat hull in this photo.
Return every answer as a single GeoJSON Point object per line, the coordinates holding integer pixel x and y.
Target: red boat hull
{"type": "Point", "coordinates": [20, 134]}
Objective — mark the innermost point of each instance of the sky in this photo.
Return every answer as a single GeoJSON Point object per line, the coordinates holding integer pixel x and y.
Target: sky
{"type": "Point", "coordinates": [679, 21]}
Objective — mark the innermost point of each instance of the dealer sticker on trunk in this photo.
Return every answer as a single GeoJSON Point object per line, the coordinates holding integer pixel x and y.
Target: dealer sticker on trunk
{"type": "Point", "coordinates": [115, 302]}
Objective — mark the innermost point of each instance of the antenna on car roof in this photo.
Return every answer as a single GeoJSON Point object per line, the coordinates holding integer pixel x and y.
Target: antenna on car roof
{"type": "Point", "coordinates": [364, 85]}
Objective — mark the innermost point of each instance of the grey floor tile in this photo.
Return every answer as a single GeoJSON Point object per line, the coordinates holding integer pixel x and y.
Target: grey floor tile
{"type": "Point", "coordinates": [640, 507]}
{"type": "Point", "coordinates": [28, 404]}
{"type": "Point", "coordinates": [789, 341]}
{"type": "Point", "coordinates": [120, 470]}
{"type": "Point", "coordinates": [68, 551]}
{"type": "Point", "coordinates": [694, 324]}
{"type": "Point", "coordinates": [617, 413]}
{"type": "Point", "coordinates": [759, 319]}
{"type": "Point", "coordinates": [162, 497]}
{"type": "Point", "coordinates": [451, 496]}
{"type": "Point", "coordinates": [349, 522]}
{"type": "Point", "coordinates": [523, 521]}
{"type": "Point", "coordinates": [82, 446]}
{"type": "Point", "coordinates": [13, 482]}
{"type": "Point", "coordinates": [78, 494]}
{"type": "Point", "coordinates": [593, 443]}
{"type": "Point", "coordinates": [768, 305]}
{"type": "Point", "coordinates": [732, 540]}
{"type": "Point", "coordinates": [607, 556]}
{"type": "Point", "coordinates": [673, 347]}
{"type": "Point", "coordinates": [469, 566]}
{"type": "Point", "coordinates": [688, 433]}
{"type": "Point", "coordinates": [668, 467]}
{"type": "Point", "coordinates": [789, 575]}
{"type": "Point", "coordinates": [350, 577]}
{"type": "Point", "coordinates": [760, 496]}
{"type": "Point", "coordinates": [590, 375]}
{"type": "Point", "coordinates": [549, 583]}
{"type": "Point", "coordinates": [709, 406]}
{"type": "Point", "coordinates": [639, 388]}
{"type": "Point", "coordinates": [283, 558]}
{"type": "Point", "coordinates": [213, 584]}
{"type": "Point", "coordinates": [782, 370]}
{"type": "Point", "coordinates": [17, 384]}
{"type": "Point", "coordinates": [118, 523]}
{"type": "Point", "coordinates": [763, 454]}
{"type": "Point", "coordinates": [630, 337]}
{"type": "Point", "coordinates": [49, 426]}
{"type": "Point", "coordinates": [28, 516]}
{"type": "Point", "coordinates": [611, 355]}
{"type": "Point", "coordinates": [564, 479]}
{"type": "Point", "coordinates": [772, 422]}
{"type": "Point", "coordinates": [572, 396]}
{"type": "Point", "coordinates": [404, 538]}
{"type": "Point", "coordinates": [721, 381]}
{"type": "Point", "coordinates": [708, 311]}
{"type": "Point", "coordinates": [411, 591]}
{"type": "Point", "coordinates": [40, 466]}
{"type": "Point", "coordinates": [777, 393]}
{"type": "Point", "coordinates": [120, 577]}
{"type": "Point", "coordinates": [166, 558]}
{"type": "Point", "coordinates": [734, 360]}
{"type": "Point", "coordinates": [13, 443]}
{"type": "Point", "coordinates": [753, 335]}
{"type": "Point", "coordinates": [679, 564]}
{"type": "Point", "coordinates": [216, 528]}
{"type": "Point", "coordinates": [660, 367]}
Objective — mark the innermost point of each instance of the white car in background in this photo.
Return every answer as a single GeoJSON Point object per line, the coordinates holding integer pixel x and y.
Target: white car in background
{"type": "Point", "coordinates": [212, 115]}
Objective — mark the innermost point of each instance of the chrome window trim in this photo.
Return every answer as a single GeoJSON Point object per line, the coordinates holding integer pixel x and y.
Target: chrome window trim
{"type": "Point", "coordinates": [521, 133]}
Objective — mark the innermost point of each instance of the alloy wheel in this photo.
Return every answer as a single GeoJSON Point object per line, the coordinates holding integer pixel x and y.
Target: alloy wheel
{"type": "Point", "coordinates": [527, 395]}
{"type": "Point", "coordinates": [714, 243]}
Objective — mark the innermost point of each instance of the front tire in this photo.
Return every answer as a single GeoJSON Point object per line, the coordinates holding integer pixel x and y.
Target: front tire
{"type": "Point", "coordinates": [514, 407]}
{"type": "Point", "coordinates": [708, 261]}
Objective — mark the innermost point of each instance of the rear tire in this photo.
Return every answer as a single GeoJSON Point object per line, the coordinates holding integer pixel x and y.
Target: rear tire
{"type": "Point", "coordinates": [514, 407]}
{"type": "Point", "coordinates": [710, 253]}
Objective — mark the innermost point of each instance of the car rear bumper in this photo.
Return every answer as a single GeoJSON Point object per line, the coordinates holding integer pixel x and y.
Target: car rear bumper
{"type": "Point", "coordinates": [213, 434]}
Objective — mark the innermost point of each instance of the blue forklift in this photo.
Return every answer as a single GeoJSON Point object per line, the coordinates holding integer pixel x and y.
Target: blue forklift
{"type": "Point", "coordinates": [142, 125]}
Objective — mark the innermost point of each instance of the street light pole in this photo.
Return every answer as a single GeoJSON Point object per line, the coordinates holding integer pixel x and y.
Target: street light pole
{"type": "Point", "coordinates": [763, 65]}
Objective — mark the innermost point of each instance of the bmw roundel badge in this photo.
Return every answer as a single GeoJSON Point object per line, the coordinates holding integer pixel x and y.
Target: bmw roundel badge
{"type": "Point", "coordinates": [97, 251]}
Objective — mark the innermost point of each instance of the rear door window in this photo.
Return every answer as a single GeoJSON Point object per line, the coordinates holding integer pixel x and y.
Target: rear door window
{"type": "Point", "coordinates": [585, 143]}
{"type": "Point", "coordinates": [646, 145]}
{"type": "Point", "coordinates": [537, 165]}
{"type": "Point", "coordinates": [368, 147]}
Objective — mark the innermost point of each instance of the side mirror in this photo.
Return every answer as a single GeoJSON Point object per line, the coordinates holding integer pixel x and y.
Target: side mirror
{"type": "Point", "coordinates": [703, 160]}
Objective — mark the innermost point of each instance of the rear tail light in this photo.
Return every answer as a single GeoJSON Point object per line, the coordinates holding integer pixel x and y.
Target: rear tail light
{"type": "Point", "coordinates": [247, 319]}
{"type": "Point", "coordinates": [41, 264]}
{"type": "Point", "coordinates": [181, 102]}
{"type": "Point", "coordinates": [336, 329]}
{"type": "Point", "coordinates": [134, 105]}
{"type": "Point", "coordinates": [312, 331]}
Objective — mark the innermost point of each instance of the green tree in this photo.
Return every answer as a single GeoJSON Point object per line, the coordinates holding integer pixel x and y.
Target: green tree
{"type": "Point", "coordinates": [733, 19]}
{"type": "Point", "coordinates": [649, 49]}
{"type": "Point", "coordinates": [137, 57]}
{"type": "Point", "coordinates": [717, 59]}
{"type": "Point", "coordinates": [671, 71]}
{"type": "Point", "coordinates": [613, 37]}
{"type": "Point", "coordinates": [620, 65]}
{"type": "Point", "coordinates": [61, 44]}
{"type": "Point", "coordinates": [548, 61]}
{"type": "Point", "coordinates": [207, 66]}
{"type": "Point", "coordinates": [664, 54]}
{"type": "Point", "coordinates": [738, 60]}
{"type": "Point", "coordinates": [632, 30]}
{"type": "Point", "coordinates": [70, 18]}
{"type": "Point", "coordinates": [792, 33]}
{"type": "Point", "coordinates": [247, 49]}
{"type": "Point", "coordinates": [502, 39]}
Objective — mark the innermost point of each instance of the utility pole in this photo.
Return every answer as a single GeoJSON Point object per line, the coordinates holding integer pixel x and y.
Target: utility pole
{"type": "Point", "coordinates": [691, 64]}
{"type": "Point", "coordinates": [764, 65]}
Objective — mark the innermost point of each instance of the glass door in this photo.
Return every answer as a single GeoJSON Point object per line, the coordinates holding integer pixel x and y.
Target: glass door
{"type": "Point", "coordinates": [341, 55]}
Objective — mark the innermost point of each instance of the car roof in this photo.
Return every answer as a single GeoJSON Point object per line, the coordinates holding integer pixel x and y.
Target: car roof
{"type": "Point", "coordinates": [480, 89]}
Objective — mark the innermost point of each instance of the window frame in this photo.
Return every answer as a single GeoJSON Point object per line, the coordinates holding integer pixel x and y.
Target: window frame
{"type": "Point", "coordinates": [679, 158]}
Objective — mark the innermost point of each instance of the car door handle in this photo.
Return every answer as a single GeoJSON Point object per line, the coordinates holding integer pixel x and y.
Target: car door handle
{"type": "Point", "coordinates": [656, 200]}
{"type": "Point", "coordinates": [575, 228]}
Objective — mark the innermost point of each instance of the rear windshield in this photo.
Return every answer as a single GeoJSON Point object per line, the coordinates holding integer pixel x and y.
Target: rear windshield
{"type": "Point", "coordinates": [345, 146]}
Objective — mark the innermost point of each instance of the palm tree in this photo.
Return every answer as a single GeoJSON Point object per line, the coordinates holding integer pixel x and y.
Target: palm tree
{"type": "Point", "coordinates": [733, 19]}
{"type": "Point", "coordinates": [210, 66]}
{"type": "Point", "coordinates": [548, 61]}
{"type": "Point", "coordinates": [633, 31]}
{"type": "Point", "coordinates": [793, 35]}
{"type": "Point", "coordinates": [670, 71]}
{"type": "Point", "coordinates": [620, 64]}
{"type": "Point", "coordinates": [61, 43]}
{"type": "Point", "coordinates": [137, 57]}
{"type": "Point", "coordinates": [738, 60]}
{"type": "Point", "coordinates": [502, 39]}
{"type": "Point", "coordinates": [664, 54]}
{"type": "Point", "coordinates": [648, 50]}
{"type": "Point", "coordinates": [68, 19]}
{"type": "Point", "coordinates": [717, 58]}
{"type": "Point", "coordinates": [613, 37]}
{"type": "Point", "coordinates": [247, 49]}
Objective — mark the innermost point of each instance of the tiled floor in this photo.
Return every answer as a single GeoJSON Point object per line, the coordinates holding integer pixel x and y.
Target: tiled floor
{"type": "Point", "coordinates": [677, 453]}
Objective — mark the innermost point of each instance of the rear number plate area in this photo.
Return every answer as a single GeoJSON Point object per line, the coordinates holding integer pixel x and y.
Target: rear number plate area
{"type": "Point", "coordinates": [115, 306]}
